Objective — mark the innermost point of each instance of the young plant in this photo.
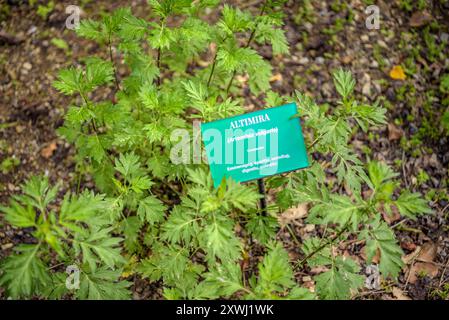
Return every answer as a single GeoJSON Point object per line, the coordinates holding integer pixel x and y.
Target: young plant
{"type": "Point", "coordinates": [79, 233]}
{"type": "Point", "coordinates": [177, 228]}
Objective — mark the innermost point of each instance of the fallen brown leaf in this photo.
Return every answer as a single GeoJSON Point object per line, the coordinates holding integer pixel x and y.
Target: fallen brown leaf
{"type": "Point", "coordinates": [399, 294]}
{"type": "Point", "coordinates": [7, 246]}
{"type": "Point", "coordinates": [308, 283]}
{"type": "Point", "coordinates": [309, 228]}
{"type": "Point", "coordinates": [428, 252]}
{"type": "Point", "coordinates": [293, 255]}
{"type": "Point", "coordinates": [407, 245]}
{"type": "Point", "coordinates": [292, 214]}
{"type": "Point", "coordinates": [407, 259]}
{"type": "Point", "coordinates": [422, 262]}
{"type": "Point", "coordinates": [318, 270]}
{"type": "Point", "coordinates": [47, 152]}
{"type": "Point", "coordinates": [367, 193]}
{"type": "Point", "coordinates": [394, 133]}
{"type": "Point", "coordinates": [347, 59]}
{"type": "Point", "coordinates": [419, 268]}
{"type": "Point", "coordinates": [420, 18]}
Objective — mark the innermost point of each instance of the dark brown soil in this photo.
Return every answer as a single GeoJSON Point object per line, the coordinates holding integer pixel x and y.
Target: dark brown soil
{"type": "Point", "coordinates": [31, 110]}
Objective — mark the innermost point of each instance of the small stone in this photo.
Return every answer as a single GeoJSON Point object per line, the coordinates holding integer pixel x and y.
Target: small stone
{"type": "Point", "coordinates": [391, 95]}
{"type": "Point", "coordinates": [19, 129]}
{"type": "Point", "coordinates": [309, 228]}
{"type": "Point", "coordinates": [382, 44]}
{"type": "Point", "coordinates": [326, 89]}
{"type": "Point", "coordinates": [27, 66]}
{"type": "Point", "coordinates": [364, 38]}
{"type": "Point", "coordinates": [306, 278]}
{"type": "Point", "coordinates": [378, 87]}
{"type": "Point", "coordinates": [366, 90]}
{"type": "Point", "coordinates": [444, 37]}
{"type": "Point", "coordinates": [7, 246]}
{"type": "Point", "coordinates": [347, 59]}
{"type": "Point", "coordinates": [303, 61]}
{"type": "Point", "coordinates": [366, 80]}
{"type": "Point", "coordinates": [319, 60]}
{"type": "Point", "coordinates": [315, 42]}
{"type": "Point", "coordinates": [32, 30]}
{"type": "Point", "coordinates": [308, 26]}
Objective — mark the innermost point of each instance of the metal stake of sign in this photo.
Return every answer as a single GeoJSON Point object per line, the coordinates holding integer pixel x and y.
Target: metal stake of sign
{"type": "Point", "coordinates": [263, 200]}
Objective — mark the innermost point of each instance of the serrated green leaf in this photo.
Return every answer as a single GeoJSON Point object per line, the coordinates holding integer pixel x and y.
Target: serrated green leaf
{"type": "Point", "coordinates": [340, 209]}
{"type": "Point", "coordinates": [338, 282]}
{"type": "Point", "coordinates": [151, 210]}
{"type": "Point", "coordinates": [379, 173]}
{"type": "Point", "coordinates": [321, 257]}
{"type": "Point", "coordinates": [263, 227]}
{"type": "Point", "coordinates": [86, 207]}
{"type": "Point", "coordinates": [412, 205]}
{"type": "Point", "coordinates": [131, 227]}
{"type": "Point", "coordinates": [219, 240]}
{"type": "Point", "coordinates": [181, 226]}
{"type": "Point", "coordinates": [223, 281]}
{"type": "Point", "coordinates": [344, 83]}
{"type": "Point", "coordinates": [24, 274]}
{"type": "Point", "coordinates": [103, 284]}
{"type": "Point", "coordinates": [99, 247]}
{"type": "Point", "coordinates": [382, 238]}
{"type": "Point", "coordinates": [91, 30]}
{"type": "Point", "coordinates": [275, 272]}
{"type": "Point", "coordinates": [18, 215]}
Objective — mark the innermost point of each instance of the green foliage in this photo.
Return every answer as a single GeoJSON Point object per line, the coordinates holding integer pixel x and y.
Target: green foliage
{"type": "Point", "coordinates": [444, 84]}
{"type": "Point", "coordinates": [444, 88]}
{"type": "Point", "coordinates": [164, 221]}
{"type": "Point", "coordinates": [25, 273]}
{"type": "Point", "coordinates": [44, 10]}
{"type": "Point", "coordinates": [382, 238]}
{"type": "Point", "coordinates": [341, 278]}
{"type": "Point", "coordinates": [276, 278]}
{"type": "Point", "coordinates": [78, 233]}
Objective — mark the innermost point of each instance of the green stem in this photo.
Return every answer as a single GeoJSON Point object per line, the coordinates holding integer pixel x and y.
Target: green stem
{"type": "Point", "coordinates": [117, 85]}
{"type": "Point", "coordinates": [213, 69]}
{"type": "Point", "coordinates": [158, 79]}
{"type": "Point", "coordinates": [159, 57]}
{"type": "Point", "coordinates": [248, 43]}
{"type": "Point", "coordinates": [325, 244]}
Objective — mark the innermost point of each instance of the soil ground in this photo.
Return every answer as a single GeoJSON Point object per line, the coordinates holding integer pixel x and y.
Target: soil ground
{"type": "Point", "coordinates": [324, 36]}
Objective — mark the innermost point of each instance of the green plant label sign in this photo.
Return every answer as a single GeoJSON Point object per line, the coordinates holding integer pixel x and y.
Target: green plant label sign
{"type": "Point", "coordinates": [255, 145]}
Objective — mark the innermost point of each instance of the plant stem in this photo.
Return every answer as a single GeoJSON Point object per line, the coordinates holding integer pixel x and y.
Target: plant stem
{"type": "Point", "coordinates": [158, 79]}
{"type": "Point", "coordinates": [111, 57]}
{"type": "Point", "coordinates": [248, 43]}
{"type": "Point", "coordinates": [345, 227]}
{"type": "Point", "coordinates": [315, 141]}
{"type": "Point", "coordinates": [263, 200]}
{"type": "Point", "coordinates": [213, 69]}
